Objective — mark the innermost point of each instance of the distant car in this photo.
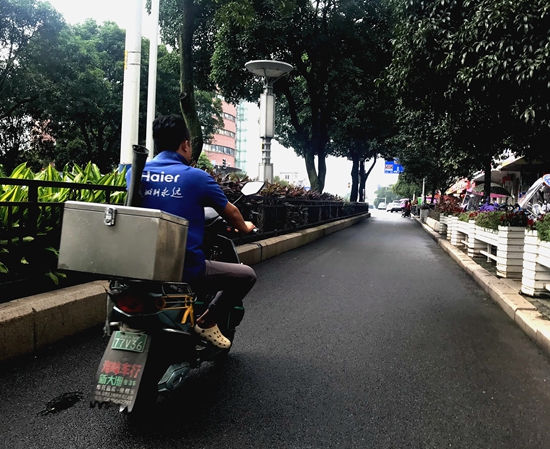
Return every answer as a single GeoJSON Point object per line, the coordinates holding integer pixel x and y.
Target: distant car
{"type": "Point", "coordinates": [381, 206]}
{"type": "Point", "coordinates": [395, 206]}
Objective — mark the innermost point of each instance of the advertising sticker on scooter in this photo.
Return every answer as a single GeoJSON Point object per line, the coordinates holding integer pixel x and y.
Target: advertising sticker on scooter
{"type": "Point", "coordinates": [546, 179]}
{"type": "Point", "coordinates": [121, 369]}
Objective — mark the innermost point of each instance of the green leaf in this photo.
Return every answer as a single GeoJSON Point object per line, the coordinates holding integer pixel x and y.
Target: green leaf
{"type": "Point", "coordinates": [53, 250]}
{"type": "Point", "coordinates": [53, 277]}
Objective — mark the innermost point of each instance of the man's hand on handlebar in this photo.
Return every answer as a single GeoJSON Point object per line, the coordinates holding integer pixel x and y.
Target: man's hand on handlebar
{"type": "Point", "coordinates": [249, 227]}
{"type": "Point", "coordinates": [235, 219]}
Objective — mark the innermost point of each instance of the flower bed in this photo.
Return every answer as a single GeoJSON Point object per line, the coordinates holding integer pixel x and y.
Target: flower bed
{"type": "Point", "coordinates": [502, 234]}
{"type": "Point", "coordinates": [496, 235]}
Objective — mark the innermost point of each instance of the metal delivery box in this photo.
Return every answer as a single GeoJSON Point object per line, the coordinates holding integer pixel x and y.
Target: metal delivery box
{"type": "Point", "coordinates": [122, 241]}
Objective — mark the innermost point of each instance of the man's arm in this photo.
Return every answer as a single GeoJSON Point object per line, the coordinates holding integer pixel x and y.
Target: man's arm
{"type": "Point", "coordinates": [235, 219]}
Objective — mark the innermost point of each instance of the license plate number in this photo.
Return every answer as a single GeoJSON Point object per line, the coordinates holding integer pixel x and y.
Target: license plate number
{"type": "Point", "coordinates": [128, 341]}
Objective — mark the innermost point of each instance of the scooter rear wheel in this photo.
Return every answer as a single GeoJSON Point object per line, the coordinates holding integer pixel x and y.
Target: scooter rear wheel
{"type": "Point", "coordinates": [147, 396]}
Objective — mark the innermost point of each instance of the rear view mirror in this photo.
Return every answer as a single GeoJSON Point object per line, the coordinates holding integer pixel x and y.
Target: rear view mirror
{"type": "Point", "coordinates": [252, 188]}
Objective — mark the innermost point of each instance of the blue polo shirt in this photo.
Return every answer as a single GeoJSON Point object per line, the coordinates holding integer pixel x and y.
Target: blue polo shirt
{"type": "Point", "coordinates": [170, 185]}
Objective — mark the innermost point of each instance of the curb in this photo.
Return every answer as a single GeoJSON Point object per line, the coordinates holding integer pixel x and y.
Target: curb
{"type": "Point", "coordinates": [28, 324]}
{"type": "Point", "coordinates": [519, 309]}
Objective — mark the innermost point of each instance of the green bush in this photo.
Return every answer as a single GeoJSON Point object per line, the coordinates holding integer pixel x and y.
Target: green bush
{"type": "Point", "coordinates": [489, 220]}
{"type": "Point", "coordinates": [518, 219]}
{"type": "Point", "coordinates": [492, 220]}
{"type": "Point", "coordinates": [467, 216]}
{"type": "Point", "coordinates": [449, 206]}
{"type": "Point", "coordinates": [542, 225]}
{"type": "Point", "coordinates": [37, 253]}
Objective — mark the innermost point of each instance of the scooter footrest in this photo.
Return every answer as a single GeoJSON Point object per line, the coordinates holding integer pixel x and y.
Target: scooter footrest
{"type": "Point", "coordinates": [173, 377]}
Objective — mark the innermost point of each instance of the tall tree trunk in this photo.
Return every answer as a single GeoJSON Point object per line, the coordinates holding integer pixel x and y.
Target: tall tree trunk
{"type": "Point", "coordinates": [322, 166]}
{"type": "Point", "coordinates": [10, 158]}
{"type": "Point", "coordinates": [370, 169]}
{"type": "Point", "coordinates": [354, 177]}
{"type": "Point", "coordinates": [311, 171]}
{"type": "Point", "coordinates": [365, 176]}
{"type": "Point", "coordinates": [187, 87]}
{"type": "Point", "coordinates": [362, 180]}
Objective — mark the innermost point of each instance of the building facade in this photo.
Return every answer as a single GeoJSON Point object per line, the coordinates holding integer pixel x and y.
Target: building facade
{"type": "Point", "coordinates": [222, 149]}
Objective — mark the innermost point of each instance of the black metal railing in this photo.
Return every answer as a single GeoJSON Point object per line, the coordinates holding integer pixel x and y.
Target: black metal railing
{"type": "Point", "coordinates": [30, 231]}
{"type": "Point", "coordinates": [278, 216]}
{"type": "Point", "coordinates": [28, 218]}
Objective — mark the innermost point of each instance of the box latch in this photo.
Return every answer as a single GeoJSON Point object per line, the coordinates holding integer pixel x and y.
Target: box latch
{"type": "Point", "coordinates": [109, 216]}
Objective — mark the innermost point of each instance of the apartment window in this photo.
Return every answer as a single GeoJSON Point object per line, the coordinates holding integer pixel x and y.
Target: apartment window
{"type": "Point", "coordinates": [221, 149]}
{"type": "Point", "coordinates": [226, 132]}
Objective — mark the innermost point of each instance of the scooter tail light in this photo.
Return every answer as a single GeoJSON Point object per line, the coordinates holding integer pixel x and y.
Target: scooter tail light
{"type": "Point", "coordinates": [131, 303]}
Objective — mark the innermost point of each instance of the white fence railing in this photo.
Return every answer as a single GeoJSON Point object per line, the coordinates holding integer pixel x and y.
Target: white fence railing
{"type": "Point", "coordinates": [505, 246]}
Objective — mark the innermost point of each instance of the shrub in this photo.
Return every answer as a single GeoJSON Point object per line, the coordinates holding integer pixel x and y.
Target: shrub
{"type": "Point", "coordinates": [518, 219]}
{"type": "Point", "coordinates": [37, 254]}
{"type": "Point", "coordinates": [449, 206]}
{"type": "Point", "coordinates": [542, 225]}
{"type": "Point", "coordinates": [467, 216]}
{"type": "Point", "coordinates": [492, 220]}
{"type": "Point", "coordinates": [489, 220]}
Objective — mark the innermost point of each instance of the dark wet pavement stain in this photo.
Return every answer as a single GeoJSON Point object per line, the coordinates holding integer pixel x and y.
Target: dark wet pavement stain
{"type": "Point", "coordinates": [62, 402]}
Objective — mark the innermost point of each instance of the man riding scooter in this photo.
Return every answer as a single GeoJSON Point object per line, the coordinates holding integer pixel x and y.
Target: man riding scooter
{"type": "Point", "coordinates": [168, 183]}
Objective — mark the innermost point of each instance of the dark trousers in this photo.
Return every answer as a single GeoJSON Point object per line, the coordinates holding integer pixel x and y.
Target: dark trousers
{"type": "Point", "coordinates": [229, 281]}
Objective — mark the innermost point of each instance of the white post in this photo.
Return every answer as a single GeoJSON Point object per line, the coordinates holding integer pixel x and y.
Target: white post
{"type": "Point", "coordinates": [423, 190]}
{"type": "Point", "coordinates": [152, 83]}
{"type": "Point", "coordinates": [267, 130]}
{"type": "Point", "coordinates": [130, 93]}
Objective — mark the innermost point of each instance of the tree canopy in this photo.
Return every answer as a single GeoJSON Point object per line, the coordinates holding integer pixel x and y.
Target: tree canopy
{"type": "Point", "coordinates": [61, 89]}
{"type": "Point", "coordinates": [337, 50]}
{"type": "Point", "coordinates": [29, 32]}
{"type": "Point", "coordinates": [471, 78]}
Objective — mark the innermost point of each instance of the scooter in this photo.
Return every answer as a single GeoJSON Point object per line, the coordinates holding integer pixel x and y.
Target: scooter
{"type": "Point", "coordinates": [153, 346]}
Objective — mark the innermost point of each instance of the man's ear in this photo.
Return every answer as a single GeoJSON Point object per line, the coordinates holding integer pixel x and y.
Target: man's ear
{"type": "Point", "coordinates": [185, 147]}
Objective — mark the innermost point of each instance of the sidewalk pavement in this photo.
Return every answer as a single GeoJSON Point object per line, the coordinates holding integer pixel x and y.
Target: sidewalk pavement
{"type": "Point", "coordinates": [505, 292]}
{"type": "Point", "coordinates": [28, 324]}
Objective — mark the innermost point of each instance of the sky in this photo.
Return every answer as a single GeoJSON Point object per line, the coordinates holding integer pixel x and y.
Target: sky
{"type": "Point", "coordinates": [283, 159]}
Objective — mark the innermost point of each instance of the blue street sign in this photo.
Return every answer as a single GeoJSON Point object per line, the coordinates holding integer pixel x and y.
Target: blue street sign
{"type": "Point", "coordinates": [393, 168]}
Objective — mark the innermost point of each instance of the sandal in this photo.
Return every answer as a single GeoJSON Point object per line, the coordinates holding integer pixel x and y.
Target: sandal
{"type": "Point", "coordinates": [214, 336]}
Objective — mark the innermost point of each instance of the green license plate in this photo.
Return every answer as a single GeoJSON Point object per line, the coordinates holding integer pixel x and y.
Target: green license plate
{"type": "Point", "coordinates": [128, 341]}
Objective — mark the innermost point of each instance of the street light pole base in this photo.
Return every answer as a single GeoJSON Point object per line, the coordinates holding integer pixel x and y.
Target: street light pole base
{"type": "Point", "coordinates": [265, 172]}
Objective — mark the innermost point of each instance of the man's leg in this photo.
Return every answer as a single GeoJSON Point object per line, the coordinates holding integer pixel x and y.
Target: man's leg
{"type": "Point", "coordinates": [230, 281]}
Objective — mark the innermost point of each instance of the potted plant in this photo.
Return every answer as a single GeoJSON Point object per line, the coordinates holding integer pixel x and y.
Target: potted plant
{"type": "Point", "coordinates": [511, 241]}
{"type": "Point", "coordinates": [536, 257]}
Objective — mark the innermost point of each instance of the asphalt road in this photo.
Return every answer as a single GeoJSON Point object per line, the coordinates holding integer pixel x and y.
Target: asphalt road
{"type": "Point", "coordinates": [369, 338]}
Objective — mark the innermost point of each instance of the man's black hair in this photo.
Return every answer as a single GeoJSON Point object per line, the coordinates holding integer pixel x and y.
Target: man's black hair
{"type": "Point", "coordinates": [169, 131]}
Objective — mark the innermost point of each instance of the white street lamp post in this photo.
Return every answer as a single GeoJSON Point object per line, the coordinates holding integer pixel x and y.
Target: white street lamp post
{"type": "Point", "coordinates": [130, 93]}
{"type": "Point", "coordinates": [270, 71]}
{"type": "Point", "coordinates": [152, 82]}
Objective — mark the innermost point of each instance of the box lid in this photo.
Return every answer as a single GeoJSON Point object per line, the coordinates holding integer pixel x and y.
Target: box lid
{"type": "Point", "coordinates": [126, 210]}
